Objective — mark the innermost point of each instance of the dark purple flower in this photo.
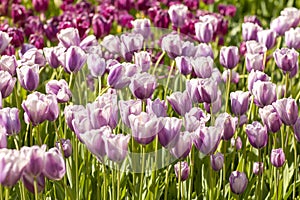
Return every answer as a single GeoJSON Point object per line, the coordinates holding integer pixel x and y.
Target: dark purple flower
{"type": "Point", "coordinates": [52, 55]}
{"type": "Point", "coordinates": [18, 13]}
{"type": "Point", "coordinates": [183, 65]}
{"type": "Point", "coordinates": [217, 161]}
{"type": "Point", "coordinates": [28, 77]}
{"type": "Point", "coordinates": [40, 5]}
{"type": "Point", "coordinates": [227, 10]}
{"type": "Point", "coordinates": [101, 25]}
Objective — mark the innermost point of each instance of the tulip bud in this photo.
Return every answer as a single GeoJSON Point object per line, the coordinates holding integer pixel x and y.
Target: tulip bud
{"type": "Point", "coordinates": [180, 102]}
{"type": "Point", "coordinates": [264, 93]}
{"type": "Point", "coordinates": [74, 60]}
{"type": "Point", "coordinates": [207, 139]}
{"type": "Point", "coordinates": [52, 55]}
{"type": "Point", "coordinates": [185, 170]}
{"type": "Point", "coordinates": [142, 85]}
{"type": "Point", "coordinates": [178, 14]}
{"type": "Point", "coordinates": [217, 161]}
{"type": "Point", "coordinates": [169, 133]}
{"type": "Point", "coordinates": [238, 182]}
{"type": "Point", "coordinates": [28, 77]}
{"type": "Point", "coordinates": [249, 31]}
{"type": "Point", "coordinates": [69, 37]}
{"type": "Point", "coordinates": [277, 157]}
{"type": "Point", "coordinates": [267, 38]}
{"type": "Point", "coordinates": [229, 57]}
{"type": "Point", "coordinates": [239, 102]}
{"type": "Point", "coordinates": [204, 31]}
{"type": "Point", "coordinates": [116, 147]}
{"type": "Point", "coordinates": [203, 66]}
{"type": "Point", "coordinates": [7, 83]}
{"type": "Point", "coordinates": [66, 147]}
{"type": "Point", "coordinates": [287, 110]}
{"type": "Point", "coordinates": [286, 59]}
{"type": "Point", "coordinates": [270, 118]}
{"type": "Point", "coordinates": [40, 5]}
{"type": "Point", "coordinates": [258, 168]}
{"type": "Point", "coordinates": [257, 135]}
{"type": "Point", "coordinates": [183, 65]}
{"type": "Point", "coordinates": [18, 12]}
{"type": "Point", "coordinates": [183, 146]}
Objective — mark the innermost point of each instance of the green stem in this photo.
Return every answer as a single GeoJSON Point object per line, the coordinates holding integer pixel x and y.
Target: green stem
{"type": "Point", "coordinates": [179, 182]}
{"type": "Point", "coordinates": [142, 172]}
{"type": "Point", "coordinates": [7, 193]}
{"type": "Point", "coordinates": [119, 180]}
{"type": "Point", "coordinates": [228, 89]}
{"type": "Point", "coordinates": [167, 183]}
{"type": "Point", "coordinates": [168, 79]}
{"type": "Point", "coordinates": [158, 61]}
{"type": "Point", "coordinates": [99, 82]}
{"type": "Point", "coordinates": [104, 181]}
{"type": "Point", "coordinates": [192, 174]}
{"type": "Point", "coordinates": [286, 84]}
{"type": "Point", "coordinates": [76, 169]}
{"type": "Point", "coordinates": [224, 168]}
{"type": "Point", "coordinates": [1, 192]}
{"type": "Point", "coordinates": [295, 166]}
{"type": "Point", "coordinates": [35, 189]}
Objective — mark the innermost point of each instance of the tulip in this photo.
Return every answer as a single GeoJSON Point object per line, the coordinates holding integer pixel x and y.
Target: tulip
{"type": "Point", "coordinates": [227, 10]}
{"type": "Point", "coordinates": [74, 60]}
{"type": "Point", "coordinates": [215, 107]}
{"type": "Point", "coordinates": [55, 167]}
{"type": "Point", "coordinates": [9, 64]}
{"type": "Point", "coordinates": [267, 38]}
{"type": "Point", "coordinates": [296, 128]}
{"type": "Point", "coordinates": [183, 170]}
{"type": "Point", "coordinates": [18, 12]}
{"type": "Point", "coordinates": [183, 65]}
{"type": "Point", "coordinates": [28, 77]}
{"type": "Point", "coordinates": [143, 60]}
{"type": "Point", "coordinates": [188, 49]}
{"type": "Point", "coordinates": [258, 168]}
{"type": "Point", "coordinates": [195, 118]}
{"type": "Point", "coordinates": [91, 46]}
{"type": "Point", "coordinates": [33, 56]}
{"type": "Point", "coordinates": [16, 35]}
{"type": "Point", "coordinates": [168, 135]}
{"type": "Point", "coordinates": [255, 61]}
{"type": "Point", "coordinates": [192, 88]}
{"type": "Point", "coordinates": [264, 93]}
{"type": "Point", "coordinates": [156, 107]}
{"type": "Point", "coordinates": [204, 50]}
{"type": "Point", "coordinates": [255, 76]}
{"type": "Point", "coordinates": [7, 83]}
{"type": "Point", "coordinates": [236, 142]}
{"type": "Point", "coordinates": [212, 19]}
{"type": "Point", "coordinates": [252, 19]}
{"type": "Point", "coordinates": [144, 127]}
{"type": "Point", "coordinates": [229, 57]}
{"type": "Point", "coordinates": [208, 90]}
{"type": "Point", "coordinates": [172, 44]}
{"type": "Point", "coordinates": [204, 31]}
{"type": "Point", "coordinates": [203, 66]}
{"type": "Point", "coordinates": [254, 47]}
{"type": "Point", "coordinates": [277, 157]}
{"type": "Point", "coordinates": [74, 111]}
{"type": "Point", "coordinates": [142, 85]}
{"type": "Point", "coordinates": [9, 119]}
{"type": "Point", "coordinates": [227, 124]}
{"type": "Point", "coordinates": [60, 89]}
{"type": "Point", "coordinates": [207, 139]}
{"type": "Point", "coordinates": [281, 24]}
{"type": "Point", "coordinates": [4, 41]}
{"type": "Point", "coordinates": [235, 77]}
{"type": "Point", "coordinates": [183, 146]}
{"type": "Point", "coordinates": [178, 15]}
{"type": "Point", "coordinates": [257, 135]}
{"type": "Point", "coordinates": [28, 182]}
{"type": "Point", "coordinates": [129, 107]}
{"type": "Point", "coordinates": [52, 55]}
{"type": "Point", "coordinates": [238, 182]}
{"type": "Point", "coordinates": [142, 26]}
{"type": "Point", "coordinates": [293, 14]}
{"type": "Point", "coordinates": [287, 110]}
{"type": "Point", "coordinates": [36, 160]}
{"type": "Point", "coordinates": [40, 5]}
{"type": "Point", "coordinates": [116, 147]}
{"type": "Point", "coordinates": [292, 38]}
{"type": "Point", "coordinates": [217, 161]}
{"type": "Point", "coordinates": [65, 146]}
{"type": "Point", "coordinates": [239, 102]}
{"type": "Point", "coordinates": [117, 77]}
{"type": "Point", "coordinates": [270, 118]}
{"type": "Point", "coordinates": [96, 65]}
{"type": "Point", "coordinates": [130, 43]}
{"type": "Point", "coordinates": [112, 43]}
{"type": "Point", "coordinates": [101, 25]}
{"type": "Point", "coordinates": [3, 138]}
{"type": "Point", "coordinates": [69, 37]}
{"type": "Point", "coordinates": [208, 2]}
{"type": "Point", "coordinates": [249, 31]}
{"type": "Point", "coordinates": [286, 59]}
{"type": "Point", "coordinates": [180, 102]}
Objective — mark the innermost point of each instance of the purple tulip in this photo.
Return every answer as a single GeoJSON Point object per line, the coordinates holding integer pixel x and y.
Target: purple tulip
{"type": "Point", "coordinates": [229, 57]}
{"type": "Point", "coordinates": [74, 60]}
{"type": "Point", "coordinates": [195, 118]}
{"type": "Point", "coordinates": [28, 77]}
{"type": "Point", "coordinates": [96, 65]}
{"type": "Point", "coordinates": [18, 12]}
{"type": "Point", "coordinates": [172, 44]}
{"type": "Point", "coordinates": [208, 90]}
{"type": "Point", "coordinates": [204, 50]}
{"type": "Point", "coordinates": [212, 19]}
{"type": "Point", "coordinates": [91, 46]}
{"type": "Point", "coordinates": [117, 77]}
{"type": "Point", "coordinates": [252, 19]}
{"type": "Point", "coordinates": [60, 89]}
{"type": "Point", "coordinates": [239, 102]}
{"type": "Point", "coordinates": [129, 107]}
{"type": "Point", "coordinates": [238, 182]}
{"type": "Point", "coordinates": [264, 93]}
{"type": "Point", "coordinates": [287, 110]}
{"type": "Point", "coordinates": [28, 181]}
{"type": "Point", "coordinates": [144, 127]}
{"type": "Point", "coordinates": [101, 25]}
{"type": "Point", "coordinates": [142, 85]}
{"type": "Point", "coordinates": [254, 61]}
{"type": "Point", "coordinates": [293, 14]}
{"type": "Point", "coordinates": [183, 146]}
{"type": "Point", "coordinates": [74, 111]}
{"type": "Point", "coordinates": [207, 139]}
{"type": "Point", "coordinates": [55, 167]}
{"type": "Point", "coordinates": [69, 37]}
{"type": "Point", "coordinates": [292, 38]}
{"type": "Point", "coordinates": [9, 64]}
{"type": "Point", "coordinates": [33, 56]}
{"type": "Point", "coordinates": [208, 2]}
{"type": "Point", "coordinates": [203, 66]}
{"type": "Point", "coordinates": [180, 102]}
{"type": "Point", "coordinates": [217, 161]}
{"type": "Point", "coordinates": [185, 170]}
{"type": "Point", "coordinates": [286, 59]}
{"type": "Point", "coordinates": [4, 41]}
{"type": "Point", "coordinates": [178, 15]}
{"type": "Point", "coordinates": [281, 24]}
{"type": "Point", "coordinates": [258, 168]}
{"type": "Point", "coordinates": [52, 55]}
{"type": "Point", "coordinates": [116, 146]}
{"type": "Point", "coordinates": [7, 83]}
{"type": "Point", "coordinates": [254, 47]}
{"type": "Point", "coordinates": [3, 138]}
{"type": "Point", "coordinates": [257, 134]}
{"type": "Point", "coordinates": [36, 160]}
{"type": "Point", "coordinates": [237, 143]}
{"type": "Point", "coordinates": [142, 26]}
{"type": "Point", "coordinates": [183, 65]}
{"type": "Point", "coordinates": [112, 44]}
{"type": "Point", "coordinates": [255, 76]}
{"type": "Point", "coordinates": [216, 106]}
{"type": "Point", "coordinates": [157, 107]}
{"type": "Point", "coordinates": [143, 60]}
{"type": "Point", "coordinates": [130, 43]}
{"type": "Point", "coordinates": [267, 38]}
{"type": "Point", "coordinates": [227, 124]}
{"type": "Point", "coordinates": [227, 10]}
{"type": "Point", "coordinates": [204, 31]}
{"type": "Point", "coordinates": [168, 135]}
{"type": "Point", "coordinates": [296, 128]}
{"type": "Point", "coordinates": [249, 31]}
{"type": "Point", "coordinates": [270, 118]}
{"type": "Point", "coordinates": [235, 77]}
{"type": "Point", "coordinates": [277, 157]}
{"type": "Point", "coordinates": [9, 119]}
{"type": "Point", "coordinates": [40, 5]}
{"type": "Point", "coordinates": [65, 146]}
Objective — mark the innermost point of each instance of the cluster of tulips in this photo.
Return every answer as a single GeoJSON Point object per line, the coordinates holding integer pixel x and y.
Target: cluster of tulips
{"type": "Point", "coordinates": [144, 100]}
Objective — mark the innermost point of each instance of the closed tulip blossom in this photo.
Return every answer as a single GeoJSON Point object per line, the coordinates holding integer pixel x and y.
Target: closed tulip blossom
{"type": "Point", "coordinates": [60, 89]}
{"type": "Point", "coordinates": [277, 157]}
{"type": "Point", "coordinates": [258, 168]}
{"type": "Point", "coordinates": [9, 119]}
{"type": "Point", "coordinates": [292, 38]}
{"type": "Point", "coordinates": [130, 43]}
{"type": "Point", "coordinates": [208, 90]}
{"type": "Point", "coordinates": [249, 31]}
{"type": "Point", "coordinates": [9, 64]}
{"type": "Point", "coordinates": [296, 129]}
{"type": "Point", "coordinates": [180, 102]}
{"type": "Point", "coordinates": [286, 59]}
{"type": "Point", "coordinates": [204, 31]}
{"type": "Point", "coordinates": [7, 83]}
{"type": "Point", "coordinates": [227, 123]}
{"type": "Point", "coordinates": [142, 85]}
{"type": "Point", "coordinates": [255, 76]}
{"type": "Point", "coordinates": [204, 50]}
{"type": "Point", "coordinates": [287, 110]}
{"type": "Point", "coordinates": [28, 77]}
{"type": "Point", "coordinates": [178, 15]}
{"type": "Point", "coordinates": [255, 47]}
{"type": "Point", "coordinates": [239, 102]}
{"type": "Point", "coordinates": [69, 37]}
{"type": "Point", "coordinates": [144, 127]}
{"type": "Point", "coordinates": [293, 14]}
{"type": "Point", "coordinates": [55, 167]}
{"type": "Point", "coordinates": [183, 65]}
{"type": "Point", "coordinates": [254, 61]}
{"type": "Point", "coordinates": [207, 139]}
{"type": "Point", "coordinates": [217, 161]}
{"type": "Point", "coordinates": [157, 107]}
{"type": "Point", "coordinates": [267, 38]}
{"type": "Point", "coordinates": [238, 182]}
{"type": "Point", "coordinates": [36, 159]}
{"type": "Point", "coordinates": [236, 143]}
{"type": "Point", "coordinates": [117, 77]}
{"type": "Point", "coordinates": [142, 26]}
{"type": "Point", "coordinates": [52, 55]}
{"type": "Point", "coordinates": [185, 170]}
{"type": "Point", "coordinates": [172, 44]}
{"type": "Point", "coordinates": [229, 57]}
{"type": "Point", "coordinates": [65, 146]}
{"type": "Point", "coordinates": [75, 58]}
{"type": "Point", "coordinates": [74, 111]}
{"type": "Point", "coordinates": [264, 93]}
{"type": "Point", "coordinates": [183, 145]}
{"type": "Point", "coordinates": [203, 66]}
{"type": "Point", "coordinates": [194, 118]}
{"type": "Point", "coordinates": [214, 107]}
{"type": "Point", "coordinates": [169, 132]}
{"type": "Point", "coordinates": [270, 118]}
{"type": "Point", "coordinates": [257, 135]}
{"type": "Point", "coordinates": [96, 65]}
{"type": "Point", "coordinates": [281, 24]}
{"type": "Point", "coordinates": [33, 56]}
{"type": "Point", "coordinates": [143, 60]}
{"type": "Point", "coordinates": [129, 107]}
{"type": "Point", "coordinates": [4, 41]}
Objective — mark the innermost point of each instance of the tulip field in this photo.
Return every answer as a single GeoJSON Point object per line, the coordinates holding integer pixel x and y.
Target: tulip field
{"type": "Point", "coordinates": [146, 99]}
